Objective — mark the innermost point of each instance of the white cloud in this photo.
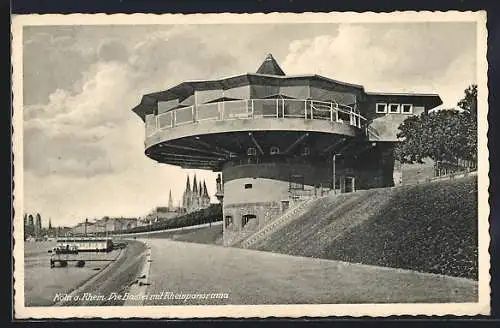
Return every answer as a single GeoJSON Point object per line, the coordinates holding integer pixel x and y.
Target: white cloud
{"type": "Point", "coordinates": [86, 149]}
{"type": "Point", "coordinates": [399, 59]}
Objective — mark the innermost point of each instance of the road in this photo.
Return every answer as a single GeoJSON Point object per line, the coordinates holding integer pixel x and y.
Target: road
{"type": "Point", "coordinates": [254, 277]}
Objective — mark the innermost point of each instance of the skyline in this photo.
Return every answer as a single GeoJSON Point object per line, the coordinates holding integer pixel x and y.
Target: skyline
{"type": "Point", "coordinates": [83, 146]}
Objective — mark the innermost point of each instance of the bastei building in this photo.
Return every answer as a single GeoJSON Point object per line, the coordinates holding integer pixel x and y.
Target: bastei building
{"type": "Point", "coordinates": [277, 139]}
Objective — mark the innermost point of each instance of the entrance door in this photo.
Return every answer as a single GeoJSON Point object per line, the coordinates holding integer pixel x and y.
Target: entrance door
{"type": "Point", "coordinates": [349, 184]}
{"type": "Point", "coordinates": [285, 204]}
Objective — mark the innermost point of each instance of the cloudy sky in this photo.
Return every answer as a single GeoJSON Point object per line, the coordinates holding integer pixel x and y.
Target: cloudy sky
{"type": "Point", "coordinates": [83, 147]}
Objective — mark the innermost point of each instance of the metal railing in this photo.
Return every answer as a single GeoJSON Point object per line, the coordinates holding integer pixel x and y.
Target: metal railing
{"type": "Point", "coordinates": [256, 109]}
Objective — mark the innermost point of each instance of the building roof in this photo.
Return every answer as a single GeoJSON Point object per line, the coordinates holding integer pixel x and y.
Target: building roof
{"type": "Point", "coordinates": [270, 66]}
{"type": "Point", "coordinates": [429, 100]}
{"type": "Point", "coordinates": [269, 73]}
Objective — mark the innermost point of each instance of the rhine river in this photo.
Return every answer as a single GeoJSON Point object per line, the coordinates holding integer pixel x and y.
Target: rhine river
{"type": "Point", "coordinates": [42, 284]}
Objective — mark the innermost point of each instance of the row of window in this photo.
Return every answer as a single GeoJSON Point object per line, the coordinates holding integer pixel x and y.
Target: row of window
{"type": "Point", "coordinates": [251, 151]}
{"type": "Point", "coordinates": [296, 182]}
{"type": "Point", "coordinates": [384, 108]}
{"type": "Point", "coordinates": [244, 220]}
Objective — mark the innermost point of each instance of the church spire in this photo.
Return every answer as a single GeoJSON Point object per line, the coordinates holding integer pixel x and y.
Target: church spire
{"type": "Point", "coordinates": [205, 191]}
{"type": "Point", "coordinates": [188, 184]}
{"type": "Point", "coordinates": [195, 185]}
{"type": "Point", "coordinates": [170, 202]}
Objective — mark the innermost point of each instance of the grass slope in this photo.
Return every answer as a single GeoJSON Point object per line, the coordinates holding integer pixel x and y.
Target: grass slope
{"type": "Point", "coordinates": [429, 228]}
{"type": "Point", "coordinates": [205, 235]}
{"type": "Point", "coordinates": [327, 217]}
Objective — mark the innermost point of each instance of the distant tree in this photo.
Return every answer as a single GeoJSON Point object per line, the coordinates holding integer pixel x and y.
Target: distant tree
{"type": "Point", "coordinates": [469, 102]}
{"type": "Point", "coordinates": [444, 135]}
{"type": "Point", "coordinates": [50, 224]}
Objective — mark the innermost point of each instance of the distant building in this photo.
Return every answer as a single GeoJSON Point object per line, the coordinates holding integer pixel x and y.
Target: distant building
{"type": "Point", "coordinates": [407, 174]}
{"type": "Point", "coordinates": [38, 225]}
{"type": "Point", "coordinates": [162, 213]}
{"type": "Point", "coordinates": [106, 224]}
{"type": "Point", "coordinates": [119, 224]}
{"type": "Point", "coordinates": [83, 228]}
{"type": "Point", "coordinates": [30, 227]}
{"type": "Point", "coordinates": [195, 198]}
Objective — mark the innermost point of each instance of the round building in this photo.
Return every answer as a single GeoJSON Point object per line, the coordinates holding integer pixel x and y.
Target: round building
{"type": "Point", "coordinates": [277, 139]}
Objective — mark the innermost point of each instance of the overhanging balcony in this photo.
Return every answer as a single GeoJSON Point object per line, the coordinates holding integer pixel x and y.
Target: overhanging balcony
{"type": "Point", "coordinates": [251, 109]}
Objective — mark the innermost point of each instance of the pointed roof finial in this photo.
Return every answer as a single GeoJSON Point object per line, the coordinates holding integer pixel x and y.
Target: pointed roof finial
{"type": "Point", "coordinates": [170, 202]}
{"type": "Point", "coordinates": [205, 191]}
{"type": "Point", "coordinates": [188, 185]}
{"type": "Point", "coordinates": [270, 67]}
{"type": "Point", "coordinates": [195, 184]}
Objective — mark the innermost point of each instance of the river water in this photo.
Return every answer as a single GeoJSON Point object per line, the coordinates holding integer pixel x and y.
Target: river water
{"type": "Point", "coordinates": [42, 283]}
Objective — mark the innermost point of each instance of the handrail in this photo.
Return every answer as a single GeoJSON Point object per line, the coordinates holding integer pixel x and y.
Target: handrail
{"type": "Point", "coordinates": [308, 109]}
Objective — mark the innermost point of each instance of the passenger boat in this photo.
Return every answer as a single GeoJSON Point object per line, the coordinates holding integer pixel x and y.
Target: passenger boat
{"type": "Point", "coordinates": [68, 248]}
{"type": "Point", "coordinates": [84, 244]}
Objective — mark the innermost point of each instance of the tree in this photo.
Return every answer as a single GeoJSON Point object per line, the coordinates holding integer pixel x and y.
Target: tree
{"type": "Point", "coordinates": [444, 135]}
{"type": "Point", "coordinates": [469, 102]}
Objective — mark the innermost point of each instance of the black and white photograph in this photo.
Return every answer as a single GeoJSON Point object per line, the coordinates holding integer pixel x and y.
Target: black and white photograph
{"type": "Point", "coordinates": [250, 165]}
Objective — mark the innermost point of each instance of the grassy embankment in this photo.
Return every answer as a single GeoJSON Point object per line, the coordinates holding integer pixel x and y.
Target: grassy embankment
{"type": "Point", "coordinates": [429, 228]}
{"type": "Point", "coordinates": [204, 235]}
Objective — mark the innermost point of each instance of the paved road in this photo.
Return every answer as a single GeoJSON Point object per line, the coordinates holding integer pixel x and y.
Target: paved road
{"type": "Point", "coordinates": [253, 277]}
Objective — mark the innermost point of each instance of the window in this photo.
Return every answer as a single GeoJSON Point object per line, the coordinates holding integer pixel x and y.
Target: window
{"type": "Point", "coordinates": [251, 151]}
{"type": "Point", "coordinates": [406, 108]}
{"type": "Point", "coordinates": [248, 186]}
{"type": "Point", "coordinates": [381, 108]}
{"type": "Point", "coordinates": [246, 218]}
{"type": "Point", "coordinates": [297, 182]}
{"type": "Point", "coordinates": [229, 220]}
{"type": "Point", "coordinates": [394, 108]}
{"type": "Point", "coordinates": [274, 150]}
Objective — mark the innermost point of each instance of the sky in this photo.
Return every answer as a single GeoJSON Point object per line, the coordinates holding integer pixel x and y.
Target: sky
{"type": "Point", "coordinates": [84, 147]}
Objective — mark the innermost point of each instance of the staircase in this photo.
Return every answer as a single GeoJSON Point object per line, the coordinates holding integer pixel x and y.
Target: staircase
{"type": "Point", "coordinates": [326, 218]}
{"type": "Point", "coordinates": [276, 224]}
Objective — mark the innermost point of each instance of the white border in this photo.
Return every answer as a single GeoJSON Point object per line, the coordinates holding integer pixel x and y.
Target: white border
{"type": "Point", "coordinates": [243, 311]}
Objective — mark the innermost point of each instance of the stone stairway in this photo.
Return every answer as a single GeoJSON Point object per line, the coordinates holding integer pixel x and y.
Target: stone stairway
{"type": "Point", "coordinates": [276, 224]}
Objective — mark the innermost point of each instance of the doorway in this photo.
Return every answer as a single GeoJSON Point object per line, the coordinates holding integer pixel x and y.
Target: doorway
{"type": "Point", "coordinates": [349, 185]}
{"type": "Point", "coordinates": [285, 204]}
{"type": "Point", "coordinates": [247, 218]}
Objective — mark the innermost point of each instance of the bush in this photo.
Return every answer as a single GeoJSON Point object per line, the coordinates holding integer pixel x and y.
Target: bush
{"type": "Point", "coordinates": [213, 213]}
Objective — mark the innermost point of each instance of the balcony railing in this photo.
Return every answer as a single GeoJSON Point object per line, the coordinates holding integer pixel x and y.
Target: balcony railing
{"type": "Point", "coordinates": [256, 109]}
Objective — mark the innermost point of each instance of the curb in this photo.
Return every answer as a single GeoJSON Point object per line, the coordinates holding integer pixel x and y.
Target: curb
{"type": "Point", "coordinates": [139, 287]}
{"type": "Point", "coordinates": [92, 279]}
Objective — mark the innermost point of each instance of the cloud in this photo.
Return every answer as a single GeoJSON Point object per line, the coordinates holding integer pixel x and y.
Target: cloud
{"type": "Point", "coordinates": [86, 140]}
{"type": "Point", "coordinates": [397, 59]}
{"type": "Point", "coordinates": [76, 134]}
{"type": "Point", "coordinates": [112, 50]}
